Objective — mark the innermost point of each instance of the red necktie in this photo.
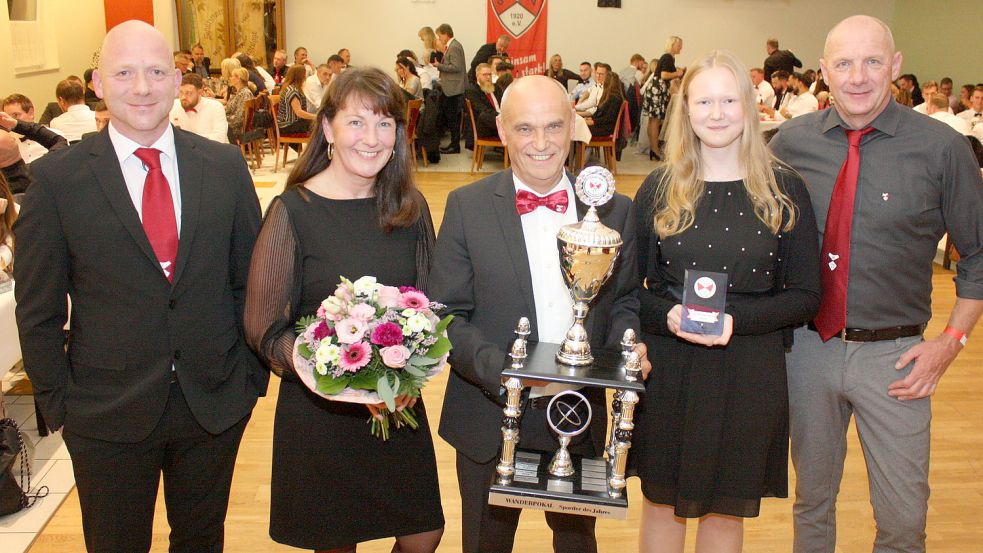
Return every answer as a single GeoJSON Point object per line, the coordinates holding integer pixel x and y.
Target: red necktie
{"type": "Point", "coordinates": [526, 201]}
{"type": "Point", "coordinates": [836, 241]}
{"type": "Point", "coordinates": [491, 99]}
{"type": "Point", "coordinates": [159, 221]}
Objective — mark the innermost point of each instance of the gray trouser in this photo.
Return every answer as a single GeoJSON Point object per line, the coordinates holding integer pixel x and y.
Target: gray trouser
{"type": "Point", "coordinates": [827, 383]}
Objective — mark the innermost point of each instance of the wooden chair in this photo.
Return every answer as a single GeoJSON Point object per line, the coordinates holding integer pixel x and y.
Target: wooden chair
{"type": "Point", "coordinates": [251, 142]}
{"type": "Point", "coordinates": [283, 141]}
{"type": "Point", "coordinates": [605, 143]}
{"type": "Point", "coordinates": [413, 108]}
{"type": "Point", "coordinates": [481, 143]}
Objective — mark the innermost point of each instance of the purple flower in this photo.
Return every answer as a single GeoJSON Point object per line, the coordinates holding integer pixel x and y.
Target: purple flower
{"type": "Point", "coordinates": [355, 356]}
{"type": "Point", "coordinates": [387, 334]}
{"type": "Point", "coordinates": [322, 330]}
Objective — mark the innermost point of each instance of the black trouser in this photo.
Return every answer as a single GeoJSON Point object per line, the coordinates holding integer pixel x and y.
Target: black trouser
{"type": "Point", "coordinates": [297, 127]}
{"type": "Point", "coordinates": [117, 483]}
{"type": "Point", "coordinates": [450, 118]}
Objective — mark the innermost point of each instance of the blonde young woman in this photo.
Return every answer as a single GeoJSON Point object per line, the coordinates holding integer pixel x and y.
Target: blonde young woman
{"type": "Point", "coordinates": [429, 39]}
{"type": "Point", "coordinates": [656, 102]}
{"type": "Point", "coordinates": [712, 433]}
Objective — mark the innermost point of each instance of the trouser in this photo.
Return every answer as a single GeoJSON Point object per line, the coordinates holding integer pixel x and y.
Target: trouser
{"type": "Point", "coordinates": [829, 382]}
{"type": "Point", "coordinates": [117, 483]}
{"type": "Point", "coordinates": [450, 117]}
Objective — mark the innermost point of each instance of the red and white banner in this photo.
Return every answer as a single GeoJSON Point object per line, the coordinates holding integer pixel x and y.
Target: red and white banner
{"type": "Point", "coordinates": [525, 22]}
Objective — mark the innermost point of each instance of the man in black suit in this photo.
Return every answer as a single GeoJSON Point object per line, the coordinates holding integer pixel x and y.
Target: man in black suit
{"type": "Point", "coordinates": [779, 60]}
{"type": "Point", "coordinates": [148, 230]}
{"type": "Point", "coordinates": [493, 266]}
{"type": "Point", "coordinates": [484, 104]}
{"type": "Point", "coordinates": [499, 48]}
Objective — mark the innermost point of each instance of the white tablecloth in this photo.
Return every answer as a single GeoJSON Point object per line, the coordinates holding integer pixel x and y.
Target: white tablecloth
{"type": "Point", "coordinates": [768, 124]}
{"type": "Point", "coordinates": [581, 132]}
{"type": "Point", "coordinates": [9, 341]}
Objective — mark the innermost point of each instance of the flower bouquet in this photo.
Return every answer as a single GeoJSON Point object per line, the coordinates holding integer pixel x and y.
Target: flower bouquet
{"type": "Point", "coordinates": [368, 344]}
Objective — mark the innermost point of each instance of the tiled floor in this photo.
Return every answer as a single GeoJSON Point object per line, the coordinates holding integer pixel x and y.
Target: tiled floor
{"type": "Point", "coordinates": [52, 468]}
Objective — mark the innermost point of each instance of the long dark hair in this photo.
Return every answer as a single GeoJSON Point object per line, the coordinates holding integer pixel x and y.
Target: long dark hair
{"type": "Point", "coordinates": [398, 201]}
{"type": "Point", "coordinates": [612, 87]}
{"type": "Point", "coordinates": [408, 65]}
{"type": "Point", "coordinates": [9, 214]}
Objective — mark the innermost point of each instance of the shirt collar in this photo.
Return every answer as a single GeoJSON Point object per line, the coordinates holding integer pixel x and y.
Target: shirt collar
{"type": "Point", "coordinates": [125, 147]}
{"type": "Point", "coordinates": [78, 107]}
{"type": "Point", "coordinates": [562, 184]}
{"type": "Point", "coordinates": [886, 122]}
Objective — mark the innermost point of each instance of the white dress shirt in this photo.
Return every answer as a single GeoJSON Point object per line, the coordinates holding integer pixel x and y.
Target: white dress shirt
{"type": "Point", "coordinates": [765, 93]}
{"type": "Point", "coordinates": [959, 124]}
{"type": "Point", "coordinates": [554, 306]}
{"type": "Point", "coordinates": [922, 108]}
{"type": "Point", "coordinates": [135, 173]}
{"type": "Point", "coordinates": [75, 122]}
{"type": "Point", "coordinates": [314, 91]}
{"type": "Point", "coordinates": [207, 119]}
{"type": "Point", "coordinates": [800, 104]}
{"type": "Point", "coordinates": [267, 78]}
{"type": "Point", "coordinates": [581, 88]}
{"type": "Point", "coordinates": [589, 103]}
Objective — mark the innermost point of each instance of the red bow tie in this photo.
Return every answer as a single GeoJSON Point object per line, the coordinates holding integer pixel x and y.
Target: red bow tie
{"type": "Point", "coordinates": [189, 110]}
{"type": "Point", "coordinates": [526, 201]}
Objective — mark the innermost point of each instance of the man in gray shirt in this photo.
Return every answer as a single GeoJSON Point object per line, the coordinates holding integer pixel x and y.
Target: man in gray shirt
{"type": "Point", "coordinates": [917, 180]}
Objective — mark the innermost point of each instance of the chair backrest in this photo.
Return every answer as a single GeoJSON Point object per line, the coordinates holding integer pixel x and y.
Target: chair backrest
{"type": "Point", "coordinates": [617, 123]}
{"type": "Point", "coordinates": [413, 108]}
{"type": "Point", "coordinates": [250, 108]}
{"type": "Point", "coordinates": [474, 128]}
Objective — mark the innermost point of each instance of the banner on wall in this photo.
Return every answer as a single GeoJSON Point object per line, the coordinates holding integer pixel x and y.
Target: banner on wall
{"type": "Point", "coordinates": [525, 22]}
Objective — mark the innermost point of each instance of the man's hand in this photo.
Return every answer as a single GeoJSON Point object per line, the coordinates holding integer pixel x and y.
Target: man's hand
{"type": "Point", "coordinates": [674, 319]}
{"type": "Point", "coordinates": [642, 352]}
{"type": "Point", "coordinates": [6, 121]}
{"type": "Point", "coordinates": [931, 359]}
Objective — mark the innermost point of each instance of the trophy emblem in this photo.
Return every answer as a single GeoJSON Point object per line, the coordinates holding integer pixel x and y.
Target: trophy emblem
{"type": "Point", "coordinates": [588, 250]}
{"type": "Point", "coordinates": [569, 415]}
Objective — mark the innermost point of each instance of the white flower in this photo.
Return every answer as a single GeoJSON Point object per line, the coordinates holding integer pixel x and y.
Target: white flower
{"type": "Point", "coordinates": [322, 369]}
{"type": "Point", "coordinates": [365, 286]}
{"type": "Point", "coordinates": [327, 354]}
{"type": "Point", "coordinates": [418, 323]}
{"type": "Point", "coordinates": [408, 312]}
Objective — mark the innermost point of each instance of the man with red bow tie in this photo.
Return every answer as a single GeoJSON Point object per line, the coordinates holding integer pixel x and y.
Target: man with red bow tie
{"type": "Point", "coordinates": [496, 261]}
{"type": "Point", "coordinates": [195, 112]}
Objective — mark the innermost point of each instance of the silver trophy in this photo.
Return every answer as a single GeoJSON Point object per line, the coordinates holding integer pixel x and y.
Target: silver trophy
{"type": "Point", "coordinates": [565, 415]}
{"type": "Point", "coordinates": [588, 251]}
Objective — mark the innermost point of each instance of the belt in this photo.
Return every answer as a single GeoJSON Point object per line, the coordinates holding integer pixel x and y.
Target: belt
{"type": "Point", "coordinates": [876, 335]}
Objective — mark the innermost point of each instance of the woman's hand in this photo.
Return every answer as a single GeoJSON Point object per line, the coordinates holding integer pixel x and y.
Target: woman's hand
{"type": "Point", "coordinates": [402, 402]}
{"type": "Point", "coordinates": [674, 319]}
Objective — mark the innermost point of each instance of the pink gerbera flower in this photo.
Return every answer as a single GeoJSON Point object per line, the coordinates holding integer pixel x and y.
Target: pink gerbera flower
{"type": "Point", "coordinates": [355, 356]}
{"type": "Point", "coordinates": [413, 299]}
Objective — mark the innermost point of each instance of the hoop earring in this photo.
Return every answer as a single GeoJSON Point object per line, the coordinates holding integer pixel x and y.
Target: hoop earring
{"type": "Point", "coordinates": [392, 154]}
{"type": "Point", "coordinates": [330, 151]}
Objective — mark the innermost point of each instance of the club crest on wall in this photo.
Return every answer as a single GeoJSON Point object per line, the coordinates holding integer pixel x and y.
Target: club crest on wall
{"type": "Point", "coordinates": [517, 16]}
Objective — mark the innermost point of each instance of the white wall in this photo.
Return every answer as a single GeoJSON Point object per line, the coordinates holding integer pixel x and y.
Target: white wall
{"type": "Point", "coordinates": [375, 30]}
{"type": "Point", "coordinates": [78, 27]}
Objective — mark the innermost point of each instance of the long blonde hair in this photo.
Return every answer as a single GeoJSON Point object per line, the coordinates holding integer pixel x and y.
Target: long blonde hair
{"type": "Point", "coordinates": [682, 183]}
{"type": "Point", "coordinates": [429, 38]}
{"type": "Point", "coordinates": [228, 65]}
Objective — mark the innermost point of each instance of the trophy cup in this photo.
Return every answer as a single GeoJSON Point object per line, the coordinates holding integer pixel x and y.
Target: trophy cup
{"type": "Point", "coordinates": [565, 482]}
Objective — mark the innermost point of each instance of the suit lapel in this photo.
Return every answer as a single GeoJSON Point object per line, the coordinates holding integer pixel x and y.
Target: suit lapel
{"type": "Point", "coordinates": [106, 167]}
{"type": "Point", "coordinates": [511, 226]}
{"type": "Point", "coordinates": [191, 174]}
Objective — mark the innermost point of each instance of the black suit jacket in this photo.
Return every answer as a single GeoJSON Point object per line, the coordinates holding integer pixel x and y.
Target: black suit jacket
{"type": "Point", "coordinates": [484, 112]}
{"type": "Point", "coordinates": [481, 273]}
{"type": "Point", "coordinates": [79, 234]}
{"type": "Point", "coordinates": [481, 56]}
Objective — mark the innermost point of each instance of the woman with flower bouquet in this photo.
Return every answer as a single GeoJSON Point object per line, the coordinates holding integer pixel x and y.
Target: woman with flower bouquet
{"type": "Point", "coordinates": [350, 209]}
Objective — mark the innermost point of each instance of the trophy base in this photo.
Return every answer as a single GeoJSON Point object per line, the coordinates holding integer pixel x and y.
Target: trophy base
{"type": "Point", "coordinates": [585, 493]}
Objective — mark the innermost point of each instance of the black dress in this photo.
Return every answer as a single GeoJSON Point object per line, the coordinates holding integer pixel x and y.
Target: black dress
{"type": "Point", "coordinates": [334, 484]}
{"type": "Point", "coordinates": [711, 431]}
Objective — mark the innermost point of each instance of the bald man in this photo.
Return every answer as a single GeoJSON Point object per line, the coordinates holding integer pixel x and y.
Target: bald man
{"type": "Point", "coordinates": [493, 266]}
{"type": "Point", "coordinates": [865, 355]}
{"type": "Point", "coordinates": [148, 230]}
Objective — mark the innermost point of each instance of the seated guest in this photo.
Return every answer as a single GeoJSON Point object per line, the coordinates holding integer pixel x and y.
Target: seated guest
{"type": "Point", "coordinates": [495, 61]}
{"type": "Point", "coordinates": [300, 58]}
{"type": "Point", "coordinates": [12, 167]}
{"type": "Point", "coordinates": [90, 90]}
{"type": "Point", "coordinates": [408, 79]}
{"type": "Point", "coordinates": [279, 68]}
{"type": "Point", "coordinates": [928, 88]}
{"type": "Point", "coordinates": [35, 139]}
{"type": "Point", "coordinates": [938, 108]}
{"type": "Point", "coordinates": [965, 93]}
{"type": "Point", "coordinates": [803, 102]}
{"type": "Point", "coordinates": [268, 83]}
{"type": "Point", "coordinates": [235, 108]}
{"type": "Point", "coordinates": [102, 118]}
{"type": "Point", "coordinates": [247, 63]}
{"type": "Point", "coordinates": [588, 102]}
{"type": "Point", "coordinates": [484, 104]}
{"type": "Point", "coordinates": [346, 58]}
{"type": "Point", "coordinates": [945, 87]}
{"type": "Point", "coordinates": [909, 82]}
{"type": "Point", "coordinates": [200, 64]}
{"type": "Point", "coordinates": [783, 93]}
{"type": "Point", "coordinates": [562, 75]}
{"type": "Point", "coordinates": [8, 214]}
{"type": "Point", "coordinates": [196, 113]}
{"type": "Point", "coordinates": [764, 93]}
{"type": "Point", "coordinates": [586, 82]}
{"type": "Point", "coordinates": [77, 118]}
{"type": "Point", "coordinates": [53, 110]}
{"type": "Point", "coordinates": [182, 62]}
{"type": "Point", "coordinates": [605, 118]}
{"type": "Point", "coordinates": [228, 65]}
{"type": "Point", "coordinates": [293, 116]}
{"type": "Point", "coordinates": [428, 74]}
{"type": "Point", "coordinates": [503, 78]}
{"type": "Point", "coordinates": [315, 85]}
{"type": "Point", "coordinates": [974, 111]}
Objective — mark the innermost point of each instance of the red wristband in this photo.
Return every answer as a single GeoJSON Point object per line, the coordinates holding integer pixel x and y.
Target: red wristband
{"type": "Point", "coordinates": [959, 335]}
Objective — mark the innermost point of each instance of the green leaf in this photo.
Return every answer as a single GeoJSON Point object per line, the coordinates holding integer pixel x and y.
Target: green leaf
{"type": "Point", "coordinates": [304, 322]}
{"type": "Point", "coordinates": [421, 361]}
{"type": "Point", "coordinates": [330, 386]}
{"type": "Point", "coordinates": [304, 351]}
{"type": "Point", "coordinates": [364, 380]}
{"type": "Point", "coordinates": [386, 392]}
{"type": "Point", "coordinates": [442, 325]}
{"type": "Point", "coordinates": [415, 371]}
{"type": "Point", "coordinates": [440, 348]}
